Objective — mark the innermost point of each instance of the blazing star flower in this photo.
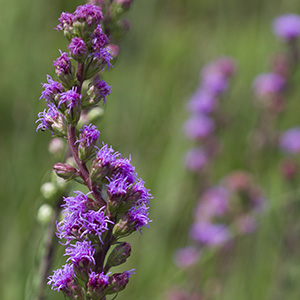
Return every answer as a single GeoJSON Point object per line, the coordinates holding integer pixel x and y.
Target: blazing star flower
{"type": "Point", "coordinates": [79, 220]}
{"type": "Point", "coordinates": [70, 100]}
{"type": "Point", "coordinates": [102, 89]}
{"type": "Point", "coordinates": [88, 138]}
{"type": "Point", "coordinates": [198, 127]}
{"type": "Point", "coordinates": [62, 278]}
{"type": "Point", "coordinates": [81, 253]}
{"type": "Point", "coordinates": [210, 234]}
{"type": "Point", "coordinates": [66, 21]}
{"type": "Point", "coordinates": [287, 27]}
{"type": "Point", "coordinates": [99, 39]}
{"type": "Point", "coordinates": [214, 82]}
{"type": "Point", "coordinates": [268, 84]}
{"type": "Point", "coordinates": [290, 141]}
{"type": "Point", "coordinates": [52, 120]}
{"type": "Point", "coordinates": [196, 159]}
{"type": "Point", "coordinates": [62, 64]}
{"type": "Point", "coordinates": [186, 257]}
{"type": "Point", "coordinates": [88, 13]}
{"type": "Point", "coordinates": [138, 216]}
{"type": "Point", "coordinates": [52, 89]}
{"type": "Point", "coordinates": [77, 47]}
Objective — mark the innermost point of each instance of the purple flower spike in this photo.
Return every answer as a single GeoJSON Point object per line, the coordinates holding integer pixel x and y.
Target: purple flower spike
{"type": "Point", "coordinates": [287, 27]}
{"type": "Point", "coordinates": [52, 88]}
{"type": "Point", "coordinates": [210, 234]}
{"type": "Point", "coordinates": [196, 159]}
{"type": "Point", "coordinates": [186, 257]}
{"type": "Point", "coordinates": [290, 141]}
{"type": "Point", "coordinates": [268, 84]}
{"type": "Point", "coordinates": [82, 253]}
{"type": "Point", "coordinates": [62, 64]}
{"type": "Point", "coordinates": [77, 47]}
{"type": "Point", "coordinates": [62, 278]}
{"type": "Point", "coordinates": [198, 127]}
{"type": "Point", "coordinates": [88, 13]}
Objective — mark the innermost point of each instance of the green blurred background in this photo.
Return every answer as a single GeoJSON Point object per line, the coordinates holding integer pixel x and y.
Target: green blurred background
{"type": "Point", "coordinates": [156, 73]}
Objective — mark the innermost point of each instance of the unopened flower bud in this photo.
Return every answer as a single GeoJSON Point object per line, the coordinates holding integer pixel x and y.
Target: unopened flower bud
{"type": "Point", "coordinates": [65, 171]}
{"type": "Point", "coordinates": [119, 255]}
{"type": "Point", "coordinates": [118, 282]}
{"type": "Point", "coordinates": [44, 214]}
{"type": "Point", "coordinates": [122, 228]}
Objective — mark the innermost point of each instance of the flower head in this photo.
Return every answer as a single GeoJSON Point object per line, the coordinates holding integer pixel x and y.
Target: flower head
{"type": "Point", "coordinates": [82, 253]}
{"type": "Point", "coordinates": [62, 64]}
{"type": "Point", "coordinates": [62, 278]}
{"type": "Point", "coordinates": [77, 48]}
{"type": "Point", "coordinates": [99, 39]}
{"type": "Point", "coordinates": [89, 14]}
{"type": "Point", "coordinates": [52, 89]}
{"type": "Point", "coordinates": [66, 21]}
{"type": "Point", "coordinates": [202, 102]}
{"type": "Point", "coordinates": [287, 27]}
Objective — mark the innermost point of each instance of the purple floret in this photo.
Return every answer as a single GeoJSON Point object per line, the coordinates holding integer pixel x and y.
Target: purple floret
{"type": "Point", "coordinates": [99, 39]}
{"type": "Point", "coordinates": [102, 89]}
{"type": "Point", "coordinates": [52, 88]}
{"type": "Point", "coordinates": [79, 221]}
{"type": "Point", "coordinates": [62, 64]}
{"type": "Point", "coordinates": [81, 253]}
{"type": "Point", "coordinates": [77, 47]}
{"type": "Point", "coordinates": [287, 27]}
{"type": "Point", "coordinates": [66, 21]}
{"type": "Point", "coordinates": [290, 141]}
{"type": "Point", "coordinates": [138, 216]}
{"type": "Point", "coordinates": [88, 13]}
{"type": "Point", "coordinates": [98, 280]}
{"type": "Point", "coordinates": [62, 278]}
{"type": "Point", "coordinates": [89, 136]}
{"type": "Point", "coordinates": [48, 118]}
{"type": "Point", "coordinates": [70, 99]}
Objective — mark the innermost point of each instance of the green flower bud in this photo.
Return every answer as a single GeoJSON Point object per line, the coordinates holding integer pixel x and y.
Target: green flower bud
{"type": "Point", "coordinates": [119, 255]}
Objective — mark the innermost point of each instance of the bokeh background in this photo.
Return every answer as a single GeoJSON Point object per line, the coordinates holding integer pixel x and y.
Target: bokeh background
{"type": "Point", "coordinates": [156, 73]}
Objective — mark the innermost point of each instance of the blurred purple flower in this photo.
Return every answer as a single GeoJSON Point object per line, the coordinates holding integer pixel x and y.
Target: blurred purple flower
{"type": "Point", "coordinates": [210, 234]}
{"type": "Point", "coordinates": [214, 202]}
{"type": "Point", "coordinates": [290, 141]}
{"type": "Point", "coordinates": [202, 102]}
{"type": "Point", "coordinates": [196, 159]}
{"type": "Point", "coordinates": [268, 84]}
{"type": "Point", "coordinates": [186, 257]}
{"type": "Point", "coordinates": [287, 27]}
{"type": "Point", "coordinates": [198, 127]}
